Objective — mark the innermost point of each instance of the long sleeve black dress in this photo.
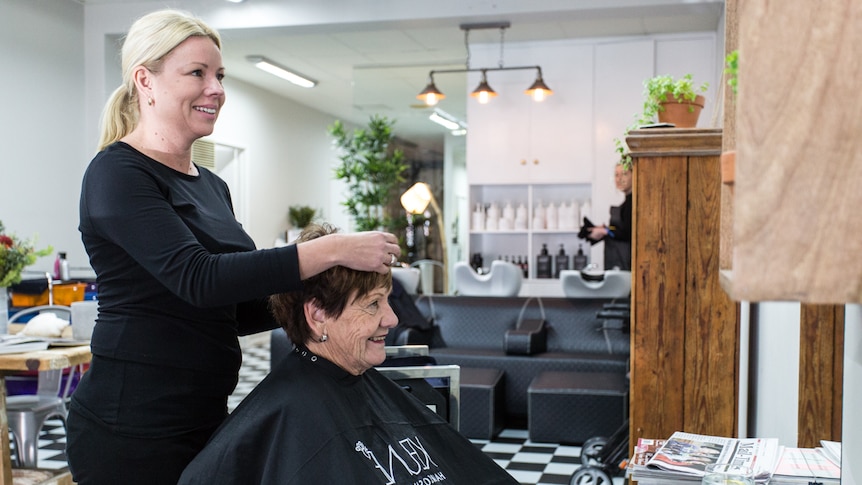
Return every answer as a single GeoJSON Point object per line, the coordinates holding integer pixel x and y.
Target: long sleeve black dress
{"type": "Point", "coordinates": [178, 280]}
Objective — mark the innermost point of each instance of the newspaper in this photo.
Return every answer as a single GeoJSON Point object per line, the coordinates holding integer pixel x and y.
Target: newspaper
{"type": "Point", "coordinates": [688, 454]}
{"type": "Point", "coordinates": [805, 465]}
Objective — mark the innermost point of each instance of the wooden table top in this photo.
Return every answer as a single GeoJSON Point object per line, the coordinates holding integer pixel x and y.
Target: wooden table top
{"type": "Point", "coordinates": [49, 359]}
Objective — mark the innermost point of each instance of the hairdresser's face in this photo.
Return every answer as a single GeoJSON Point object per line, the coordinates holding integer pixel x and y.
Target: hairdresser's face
{"type": "Point", "coordinates": [623, 179]}
{"type": "Point", "coordinates": [187, 91]}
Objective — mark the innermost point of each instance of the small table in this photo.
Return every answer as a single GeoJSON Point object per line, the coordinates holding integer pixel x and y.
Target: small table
{"type": "Point", "coordinates": [41, 360]}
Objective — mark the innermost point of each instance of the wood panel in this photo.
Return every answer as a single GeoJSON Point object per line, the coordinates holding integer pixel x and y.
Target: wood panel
{"type": "Point", "coordinates": [821, 353]}
{"type": "Point", "coordinates": [685, 340]}
{"type": "Point", "coordinates": [712, 326]}
{"type": "Point", "coordinates": [658, 258]}
{"type": "Point", "coordinates": [796, 234]}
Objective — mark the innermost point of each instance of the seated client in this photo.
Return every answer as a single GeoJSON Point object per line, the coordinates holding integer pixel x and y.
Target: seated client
{"type": "Point", "coordinates": [325, 415]}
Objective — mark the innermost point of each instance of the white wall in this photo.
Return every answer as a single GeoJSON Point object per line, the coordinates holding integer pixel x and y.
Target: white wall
{"type": "Point", "coordinates": [290, 158]}
{"type": "Point", "coordinates": [42, 123]}
{"type": "Point", "coordinates": [777, 373]}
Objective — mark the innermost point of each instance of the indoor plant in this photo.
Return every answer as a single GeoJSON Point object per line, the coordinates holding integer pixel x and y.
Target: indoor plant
{"type": "Point", "coordinates": [300, 216]}
{"type": "Point", "coordinates": [372, 168]}
{"type": "Point", "coordinates": [666, 97]}
{"type": "Point", "coordinates": [728, 158]}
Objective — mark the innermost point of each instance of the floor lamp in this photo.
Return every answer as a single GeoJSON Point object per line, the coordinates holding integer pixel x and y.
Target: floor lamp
{"type": "Point", "coordinates": [415, 200]}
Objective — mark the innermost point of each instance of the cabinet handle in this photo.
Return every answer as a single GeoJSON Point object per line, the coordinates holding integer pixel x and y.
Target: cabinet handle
{"type": "Point", "coordinates": [536, 161]}
{"type": "Point", "coordinates": [523, 162]}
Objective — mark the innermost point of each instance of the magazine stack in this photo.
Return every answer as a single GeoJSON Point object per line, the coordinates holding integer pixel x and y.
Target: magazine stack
{"type": "Point", "coordinates": [682, 459]}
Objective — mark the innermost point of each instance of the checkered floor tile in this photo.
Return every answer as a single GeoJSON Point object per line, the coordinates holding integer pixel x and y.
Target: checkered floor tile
{"type": "Point", "coordinates": [528, 462]}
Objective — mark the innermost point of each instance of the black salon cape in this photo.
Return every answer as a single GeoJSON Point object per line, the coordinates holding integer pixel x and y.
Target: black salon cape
{"type": "Point", "coordinates": [311, 423]}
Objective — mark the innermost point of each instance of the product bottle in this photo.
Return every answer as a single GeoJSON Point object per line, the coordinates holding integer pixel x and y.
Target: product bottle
{"type": "Point", "coordinates": [543, 263]}
{"type": "Point", "coordinates": [580, 259]}
{"type": "Point", "coordinates": [61, 267]}
{"type": "Point", "coordinates": [561, 262]}
{"type": "Point", "coordinates": [526, 266]}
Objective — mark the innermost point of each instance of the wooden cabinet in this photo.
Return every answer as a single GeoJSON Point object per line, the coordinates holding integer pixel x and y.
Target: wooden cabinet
{"type": "Point", "coordinates": [685, 328]}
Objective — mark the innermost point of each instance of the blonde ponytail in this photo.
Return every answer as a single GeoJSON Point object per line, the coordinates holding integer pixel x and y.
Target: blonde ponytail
{"type": "Point", "coordinates": [119, 117]}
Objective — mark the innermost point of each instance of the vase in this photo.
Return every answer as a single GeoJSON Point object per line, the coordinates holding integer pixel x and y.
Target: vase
{"type": "Point", "coordinates": [681, 112]}
{"type": "Point", "coordinates": [4, 310]}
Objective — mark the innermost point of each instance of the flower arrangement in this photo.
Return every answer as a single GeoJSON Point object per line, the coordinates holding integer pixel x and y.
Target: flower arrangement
{"type": "Point", "coordinates": [15, 255]}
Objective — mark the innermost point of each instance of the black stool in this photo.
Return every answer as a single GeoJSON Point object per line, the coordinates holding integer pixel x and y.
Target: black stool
{"type": "Point", "coordinates": [572, 407]}
{"type": "Point", "coordinates": [482, 402]}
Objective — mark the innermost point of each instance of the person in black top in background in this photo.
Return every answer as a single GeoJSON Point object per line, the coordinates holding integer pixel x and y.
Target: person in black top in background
{"type": "Point", "coordinates": [325, 415]}
{"type": "Point", "coordinates": [617, 235]}
{"type": "Point", "coordinates": [178, 277]}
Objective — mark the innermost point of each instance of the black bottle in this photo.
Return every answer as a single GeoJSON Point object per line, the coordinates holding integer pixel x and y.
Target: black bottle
{"type": "Point", "coordinates": [580, 259]}
{"type": "Point", "coordinates": [543, 263]}
{"type": "Point", "coordinates": [561, 262]}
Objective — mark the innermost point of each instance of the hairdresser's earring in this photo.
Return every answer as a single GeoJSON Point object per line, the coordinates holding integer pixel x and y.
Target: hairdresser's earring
{"type": "Point", "coordinates": [150, 101]}
{"type": "Point", "coordinates": [324, 338]}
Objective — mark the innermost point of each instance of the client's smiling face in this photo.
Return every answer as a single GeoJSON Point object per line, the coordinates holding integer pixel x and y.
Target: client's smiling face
{"type": "Point", "coordinates": [356, 338]}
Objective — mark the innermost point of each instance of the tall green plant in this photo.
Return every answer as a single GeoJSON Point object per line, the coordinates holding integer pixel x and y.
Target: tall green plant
{"type": "Point", "coordinates": [372, 169]}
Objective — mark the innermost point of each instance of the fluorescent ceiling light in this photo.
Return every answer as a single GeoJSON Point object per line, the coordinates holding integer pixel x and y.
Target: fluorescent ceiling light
{"type": "Point", "coordinates": [448, 124]}
{"type": "Point", "coordinates": [444, 119]}
{"type": "Point", "coordinates": [271, 67]}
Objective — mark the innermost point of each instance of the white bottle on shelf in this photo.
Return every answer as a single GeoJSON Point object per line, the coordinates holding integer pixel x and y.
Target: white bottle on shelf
{"type": "Point", "coordinates": [551, 221]}
{"type": "Point", "coordinates": [507, 221]}
{"type": "Point", "coordinates": [479, 218]}
{"type": "Point", "coordinates": [492, 219]}
{"type": "Point", "coordinates": [521, 217]}
{"type": "Point", "coordinates": [586, 210]}
{"type": "Point", "coordinates": [539, 217]}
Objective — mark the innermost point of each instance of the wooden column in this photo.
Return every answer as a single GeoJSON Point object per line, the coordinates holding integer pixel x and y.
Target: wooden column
{"type": "Point", "coordinates": [685, 328]}
{"type": "Point", "coordinates": [821, 374]}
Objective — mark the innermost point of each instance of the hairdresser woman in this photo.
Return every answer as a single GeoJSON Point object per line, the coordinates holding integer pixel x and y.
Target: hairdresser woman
{"type": "Point", "coordinates": [178, 277]}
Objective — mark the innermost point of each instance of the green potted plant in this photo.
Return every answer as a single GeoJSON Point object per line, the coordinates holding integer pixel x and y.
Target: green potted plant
{"type": "Point", "coordinates": [728, 158]}
{"type": "Point", "coordinates": [676, 101]}
{"type": "Point", "coordinates": [372, 168]}
{"type": "Point", "coordinates": [300, 215]}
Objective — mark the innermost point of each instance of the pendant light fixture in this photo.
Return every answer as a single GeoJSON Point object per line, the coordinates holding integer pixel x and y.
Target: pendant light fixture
{"type": "Point", "coordinates": [431, 95]}
{"type": "Point", "coordinates": [483, 93]}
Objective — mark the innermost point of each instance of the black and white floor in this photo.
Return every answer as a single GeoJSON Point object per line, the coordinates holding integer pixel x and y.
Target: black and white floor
{"type": "Point", "coordinates": [528, 462]}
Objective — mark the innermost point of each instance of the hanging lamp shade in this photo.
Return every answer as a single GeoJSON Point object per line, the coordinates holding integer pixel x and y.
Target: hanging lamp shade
{"type": "Point", "coordinates": [430, 95]}
{"type": "Point", "coordinates": [539, 90]}
{"type": "Point", "coordinates": [483, 92]}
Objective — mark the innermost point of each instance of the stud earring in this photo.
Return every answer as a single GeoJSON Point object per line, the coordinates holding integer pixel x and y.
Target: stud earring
{"type": "Point", "coordinates": [150, 101]}
{"type": "Point", "coordinates": [324, 338]}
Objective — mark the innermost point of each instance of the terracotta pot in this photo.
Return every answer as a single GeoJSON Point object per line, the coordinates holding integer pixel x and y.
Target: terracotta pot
{"type": "Point", "coordinates": [728, 167]}
{"type": "Point", "coordinates": [677, 111]}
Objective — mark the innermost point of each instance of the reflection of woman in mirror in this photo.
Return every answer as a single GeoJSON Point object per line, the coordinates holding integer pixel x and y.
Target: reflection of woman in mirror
{"type": "Point", "coordinates": [617, 234]}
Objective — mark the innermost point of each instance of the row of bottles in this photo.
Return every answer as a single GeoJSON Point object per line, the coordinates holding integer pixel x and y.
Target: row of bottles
{"type": "Point", "coordinates": [477, 263]}
{"type": "Point", "coordinates": [565, 216]}
{"type": "Point", "coordinates": [548, 266]}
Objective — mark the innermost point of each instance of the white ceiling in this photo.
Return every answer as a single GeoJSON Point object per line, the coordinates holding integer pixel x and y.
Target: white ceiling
{"type": "Point", "coordinates": [369, 67]}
